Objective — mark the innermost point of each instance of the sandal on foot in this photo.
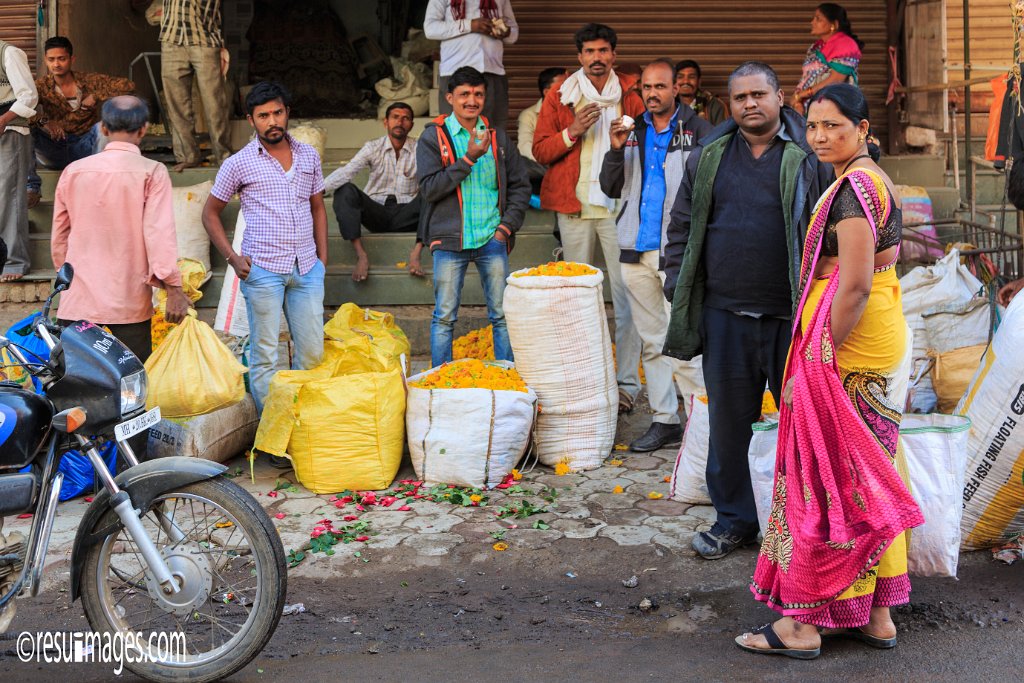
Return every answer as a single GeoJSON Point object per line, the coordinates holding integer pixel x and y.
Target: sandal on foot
{"type": "Point", "coordinates": [625, 402]}
{"type": "Point", "coordinates": [776, 646]}
{"type": "Point", "coordinates": [866, 638]}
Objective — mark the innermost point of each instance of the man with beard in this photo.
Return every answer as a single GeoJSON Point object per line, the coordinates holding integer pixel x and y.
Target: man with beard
{"type": "Point", "coordinates": [645, 167]}
{"type": "Point", "coordinates": [707, 106]}
{"type": "Point", "coordinates": [732, 262]}
{"type": "Point", "coordinates": [390, 202]}
{"type": "Point", "coordinates": [284, 249]}
{"type": "Point", "coordinates": [572, 138]}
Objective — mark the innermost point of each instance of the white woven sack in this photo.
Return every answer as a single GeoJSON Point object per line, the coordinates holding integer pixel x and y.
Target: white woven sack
{"type": "Point", "coordinates": [311, 134]}
{"type": "Point", "coordinates": [993, 495]}
{"type": "Point", "coordinates": [689, 476]}
{"type": "Point", "coordinates": [467, 437]}
{"type": "Point", "coordinates": [559, 334]}
{"type": "Point", "coordinates": [231, 315]}
{"type": "Point", "coordinates": [761, 461]}
{"type": "Point", "coordinates": [945, 284]}
{"type": "Point", "coordinates": [193, 241]}
{"type": "Point", "coordinates": [935, 447]}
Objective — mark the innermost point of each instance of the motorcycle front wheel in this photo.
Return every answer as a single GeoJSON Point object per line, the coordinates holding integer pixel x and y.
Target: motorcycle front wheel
{"type": "Point", "coordinates": [227, 557]}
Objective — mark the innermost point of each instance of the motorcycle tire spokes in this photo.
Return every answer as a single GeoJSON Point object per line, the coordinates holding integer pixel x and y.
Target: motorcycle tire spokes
{"type": "Point", "coordinates": [229, 570]}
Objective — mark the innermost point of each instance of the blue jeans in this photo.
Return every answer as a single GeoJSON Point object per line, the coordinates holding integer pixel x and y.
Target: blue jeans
{"type": "Point", "coordinates": [301, 297]}
{"type": "Point", "coordinates": [449, 273]}
{"type": "Point", "coordinates": [50, 153]}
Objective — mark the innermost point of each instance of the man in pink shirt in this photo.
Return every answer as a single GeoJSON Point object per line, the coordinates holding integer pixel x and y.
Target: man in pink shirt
{"type": "Point", "coordinates": [113, 220]}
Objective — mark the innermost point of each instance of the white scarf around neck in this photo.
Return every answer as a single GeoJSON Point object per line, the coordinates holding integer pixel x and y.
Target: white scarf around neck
{"type": "Point", "coordinates": [577, 87]}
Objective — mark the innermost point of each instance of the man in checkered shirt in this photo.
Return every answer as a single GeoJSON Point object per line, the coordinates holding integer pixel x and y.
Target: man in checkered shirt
{"type": "Point", "coordinates": [284, 250]}
{"type": "Point", "coordinates": [390, 201]}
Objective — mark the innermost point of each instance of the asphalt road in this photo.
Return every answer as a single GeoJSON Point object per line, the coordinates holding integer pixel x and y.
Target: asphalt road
{"type": "Point", "coordinates": [473, 617]}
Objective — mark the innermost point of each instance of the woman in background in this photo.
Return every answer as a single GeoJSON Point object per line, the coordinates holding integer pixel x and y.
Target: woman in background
{"type": "Point", "coordinates": [834, 56]}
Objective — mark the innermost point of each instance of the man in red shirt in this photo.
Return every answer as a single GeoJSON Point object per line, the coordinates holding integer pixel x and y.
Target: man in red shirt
{"type": "Point", "coordinates": [571, 139]}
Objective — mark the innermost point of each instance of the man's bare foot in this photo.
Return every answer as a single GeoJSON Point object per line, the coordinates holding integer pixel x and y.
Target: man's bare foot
{"type": "Point", "coordinates": [181, 166]}
{"type": "Point", "coordinates": [34, 197]}
{"type": "Point", "coordinates": [795, 635]}
{"type": "Point", "coordinates": [11, 277]}
{"type": "Point", "coordinates": [362, 269]}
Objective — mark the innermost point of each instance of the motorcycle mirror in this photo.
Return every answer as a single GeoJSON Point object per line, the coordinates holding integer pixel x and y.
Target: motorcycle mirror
{"type": "Point", "coordinates": [64, 277]}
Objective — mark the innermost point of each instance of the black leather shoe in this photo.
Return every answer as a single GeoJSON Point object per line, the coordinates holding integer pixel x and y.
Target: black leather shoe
{"type": "Point", "coordinates": [659, 435]}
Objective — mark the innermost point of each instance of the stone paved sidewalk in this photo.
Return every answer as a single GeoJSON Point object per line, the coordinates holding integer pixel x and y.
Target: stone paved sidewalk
{"type": "Point", "coordinates": [586, 506]}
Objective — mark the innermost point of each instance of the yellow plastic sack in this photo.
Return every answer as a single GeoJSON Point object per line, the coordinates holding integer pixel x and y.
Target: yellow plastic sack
{"type": "Point", "coordinates": [342, 423]}
{"type": "Point", "coordinates": [193, 274]}
{"type": "Point", "coordinates": [10, 371]}
{"type": "Point", "coordinates": [952, 374]}
{"type": "Point", "coordinates": [352, 322]}
{"type": "Point", "coordinates": [193, 373]}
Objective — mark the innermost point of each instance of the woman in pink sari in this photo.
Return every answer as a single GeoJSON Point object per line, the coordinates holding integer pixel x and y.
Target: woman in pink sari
{"type": "Point", "coordinates": [834, 554]}
{"type": "Point", "coordinates": [832, 58]}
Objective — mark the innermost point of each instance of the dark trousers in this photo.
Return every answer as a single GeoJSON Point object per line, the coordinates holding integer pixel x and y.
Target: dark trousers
{"type": "Point", "coordinates": [495, 104]}
{"type": "Point", "coordinates": [138, 338]}
{"type": "Point", "coordinates": [741, 353]}
{"type": "Point", "coordinates": [354, 208]}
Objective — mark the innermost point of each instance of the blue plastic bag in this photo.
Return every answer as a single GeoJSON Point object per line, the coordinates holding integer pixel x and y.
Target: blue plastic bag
{"type": "Point", "coordinates": [79, 474]}
{"type": "Point", "coordinates": [23, 334]}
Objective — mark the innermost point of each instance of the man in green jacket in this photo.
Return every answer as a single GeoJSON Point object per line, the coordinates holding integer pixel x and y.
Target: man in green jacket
{"type": "Point", "coordinates": [733, 255]}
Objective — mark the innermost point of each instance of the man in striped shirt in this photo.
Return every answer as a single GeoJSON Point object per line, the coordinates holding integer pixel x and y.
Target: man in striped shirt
{"type": "Point", "coordinates": [390, 201]}
{"type": "Point", "coordinates": [284, 249]}
{"type": "Point", "coordinates": [191, 46]}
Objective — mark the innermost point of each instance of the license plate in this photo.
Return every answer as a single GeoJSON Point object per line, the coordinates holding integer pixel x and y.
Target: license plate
{"type": "Point", "coordinates": [128, 429]}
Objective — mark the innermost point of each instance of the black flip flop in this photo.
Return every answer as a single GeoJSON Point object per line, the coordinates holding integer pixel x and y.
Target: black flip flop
{"type": "Point", "coordinates": [866, 638]}
{"type": "Point", "coordinates": [776, 646]}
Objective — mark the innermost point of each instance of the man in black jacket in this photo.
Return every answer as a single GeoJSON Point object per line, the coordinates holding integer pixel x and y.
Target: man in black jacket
{"type": "Point", "coordinates": [475, 191]}
{"type": "Point", "coordinates": [733, 258]}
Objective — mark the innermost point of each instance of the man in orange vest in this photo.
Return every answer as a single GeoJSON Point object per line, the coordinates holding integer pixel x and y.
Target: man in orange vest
{"type": "Point", "coordinates": [475, 192]}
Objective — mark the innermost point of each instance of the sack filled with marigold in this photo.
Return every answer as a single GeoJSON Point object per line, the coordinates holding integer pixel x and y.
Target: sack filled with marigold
{"type": "Point", "coordinates": [469, 422]}
{"type": "Point", "coordinates": [559, 332]}
{"type": "Point", "coordinates": [193, 274]}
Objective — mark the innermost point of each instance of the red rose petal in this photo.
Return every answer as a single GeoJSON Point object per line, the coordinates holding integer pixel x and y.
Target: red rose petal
{"type": "Point", "coordinates": [351, 518]}
{"type": "Point", "coordinates": [279, 515]}
{"type": "Point", "coordinates": [362, 538]}
{"type": "Point", "coordinates": [404, 508]}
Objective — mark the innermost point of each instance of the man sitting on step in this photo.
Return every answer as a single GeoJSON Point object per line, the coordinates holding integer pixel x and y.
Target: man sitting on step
{"type": "Point", "coordinates": [66, 126]}
{"type": "Point", "coordinates": [391, 201]}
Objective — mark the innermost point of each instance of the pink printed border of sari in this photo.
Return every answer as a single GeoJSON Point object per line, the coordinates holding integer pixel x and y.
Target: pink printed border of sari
{"type": "Point", "coordinates": [854, 504]}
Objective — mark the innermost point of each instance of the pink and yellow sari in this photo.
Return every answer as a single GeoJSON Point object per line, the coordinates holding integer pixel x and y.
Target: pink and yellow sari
{"type": "Point", "coordinates": [835, 544]}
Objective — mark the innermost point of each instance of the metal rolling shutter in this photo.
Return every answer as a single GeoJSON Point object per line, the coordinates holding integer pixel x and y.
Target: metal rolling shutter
{"type": "Point", "coordinates": [18, 26]}
{"type": "Point", "coordinates": [717, 35]}
{"type": "Point", "coordinates": [991, 36]}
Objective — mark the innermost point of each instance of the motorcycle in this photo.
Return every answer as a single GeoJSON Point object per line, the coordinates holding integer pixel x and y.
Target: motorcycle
{"type": "Point", "coordinates": [168, 546]}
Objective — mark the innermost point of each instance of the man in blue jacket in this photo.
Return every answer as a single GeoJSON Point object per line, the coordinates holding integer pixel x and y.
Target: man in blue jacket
{"type": "Point", "coordinates": [475, 192]}
{"type": "Point", "coordinates": [645, 167]}
{"type": "Point", "coordinates": [732, 262]}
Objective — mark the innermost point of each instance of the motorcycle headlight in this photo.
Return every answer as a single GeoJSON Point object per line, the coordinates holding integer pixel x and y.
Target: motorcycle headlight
{"type": "Point", "coordinates": [133, 392]}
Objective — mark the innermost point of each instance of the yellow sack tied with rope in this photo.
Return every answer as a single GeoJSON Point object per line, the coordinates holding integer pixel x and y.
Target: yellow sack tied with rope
{"type": "Point", "coordinates": [342, 423]}
{"type": "Point", "coordinates": [192, 275]}
{"type": "Point", "coordinates": [352, 322]}
{"type": "Point", "coordinates": [193, 372]}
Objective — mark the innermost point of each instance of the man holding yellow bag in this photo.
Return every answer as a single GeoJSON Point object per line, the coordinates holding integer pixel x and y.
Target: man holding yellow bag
{"type": "Point", "coordinates": [118, 202]}
{"type": "Point", "coordinates": [284, 250]}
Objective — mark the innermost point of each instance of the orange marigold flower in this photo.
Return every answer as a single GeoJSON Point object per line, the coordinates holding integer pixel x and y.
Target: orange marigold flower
{"type": "Point", "coordinates": [617, 489]}
{"type": "Point", "coordinates": [562, 468]}
{"type": "Point", "coordinates": [516, 475]}
{"type": "Point", "coordinates": [559, 269]}
{"type": "Point", "coordinates": [654, 495]}
{"type": "Point", "coordinates": [500, 546]}
{"type": "Point", "coordinates": [472, 374]}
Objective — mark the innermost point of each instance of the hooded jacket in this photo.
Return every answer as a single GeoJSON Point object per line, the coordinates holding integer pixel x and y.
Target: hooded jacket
{"type": "Point", "coordinates": [803, 179]}
{"type": "Point", "coordinates": [440, 176]}
{"type": "Point", "coordinates": [622, 176]}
